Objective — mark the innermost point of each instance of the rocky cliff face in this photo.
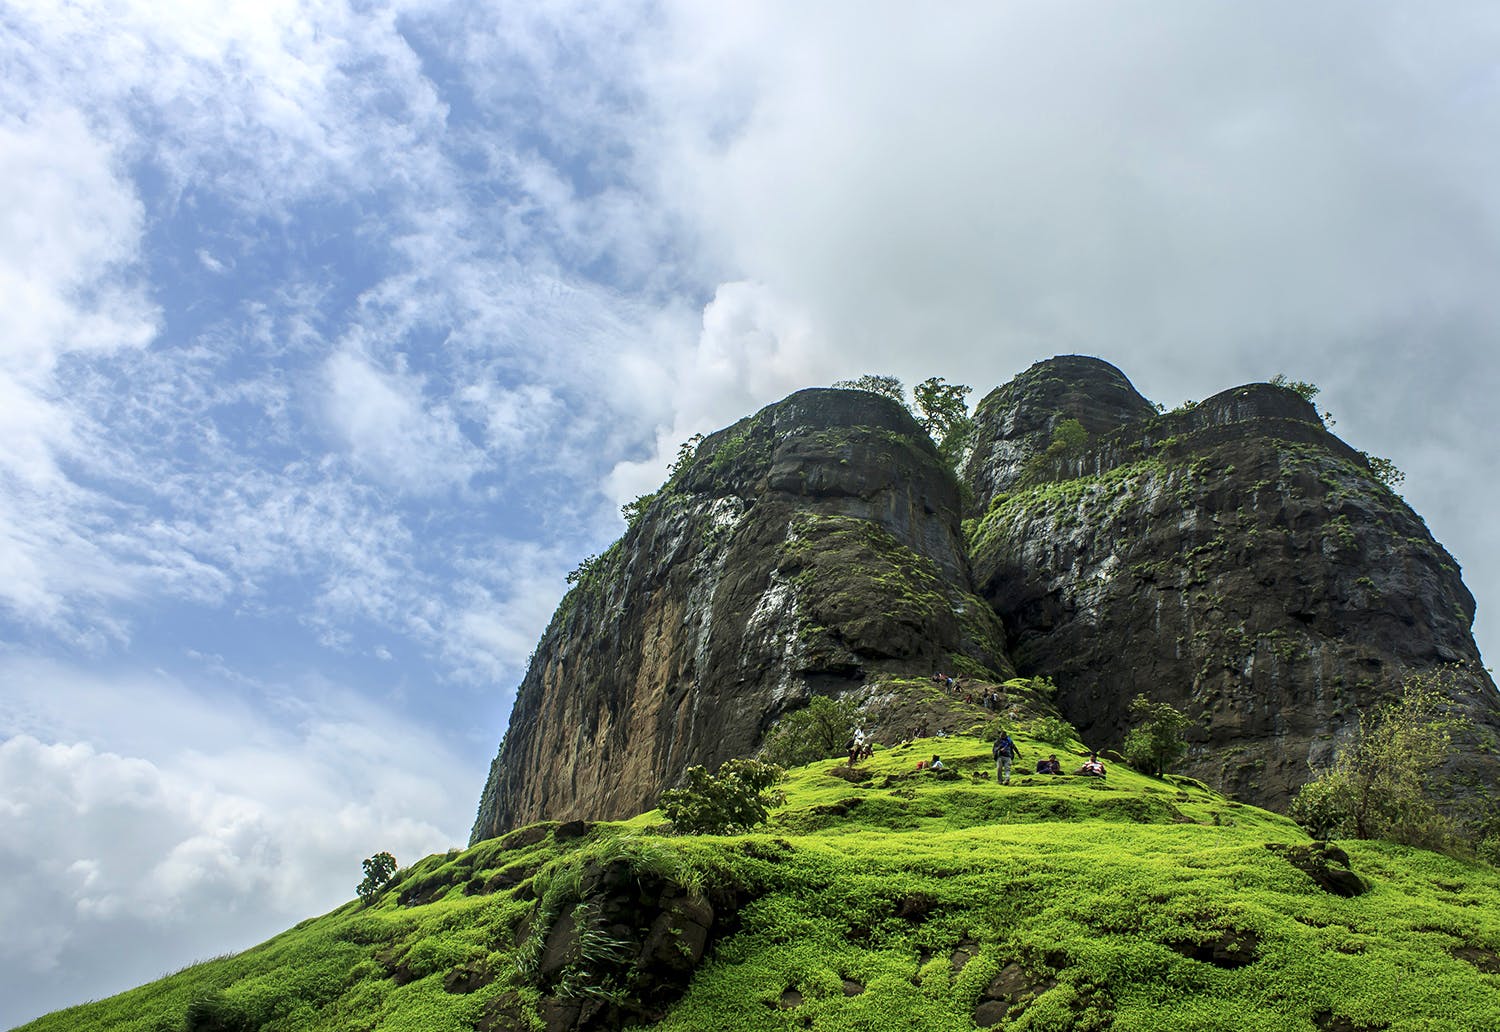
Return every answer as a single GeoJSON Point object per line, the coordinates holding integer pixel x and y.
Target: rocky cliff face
{"type": "Point", "coordinates": [803, 550]}
{"type": "Point", "coordinates": [1235, 559]}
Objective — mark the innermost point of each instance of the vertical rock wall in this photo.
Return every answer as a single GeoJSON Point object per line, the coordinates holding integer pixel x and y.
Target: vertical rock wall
{"type": "Point", "coordinates": [1236, 560]}
{"type": "Point", "coordinates": [804, 550]}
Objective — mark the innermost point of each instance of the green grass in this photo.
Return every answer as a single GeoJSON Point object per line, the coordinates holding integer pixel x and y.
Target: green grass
{"type": "Point", "coordinates": [894, 901]}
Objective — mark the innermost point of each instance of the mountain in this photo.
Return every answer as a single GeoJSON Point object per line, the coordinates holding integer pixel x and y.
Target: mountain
{"type": "Point", "coordinates": [1233, 558]}
{"type": "Point", "coordinates": [883, 897]}
{"type": "Point", "coordinates": [810, 548]}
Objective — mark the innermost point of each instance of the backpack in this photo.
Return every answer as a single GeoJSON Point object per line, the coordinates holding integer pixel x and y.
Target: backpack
{"type": "Point", "coordinates": [1003, 747]}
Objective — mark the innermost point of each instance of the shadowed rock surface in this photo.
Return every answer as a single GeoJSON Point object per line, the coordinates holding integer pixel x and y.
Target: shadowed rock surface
{"type": "Point", "coordinates": [803, 550]}
{"type": "Point", "coordinates": [1235, 559]}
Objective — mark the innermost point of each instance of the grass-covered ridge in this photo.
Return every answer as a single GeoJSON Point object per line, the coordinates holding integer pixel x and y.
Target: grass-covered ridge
{"type": "Point", "coordinates": [899, 899]}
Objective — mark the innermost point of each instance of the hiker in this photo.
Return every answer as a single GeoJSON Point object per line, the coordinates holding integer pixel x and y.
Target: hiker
{"type": "Point", "coordinates": [1049, 766]}
{"type": "Point", "coordinates": [936, 763]}
{"type": "Point", "coordinates": [1004, 752]}
{"type": "Point", "coordinates": [1092, 768]}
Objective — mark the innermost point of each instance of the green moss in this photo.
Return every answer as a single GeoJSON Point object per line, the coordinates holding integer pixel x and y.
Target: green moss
{"type": "Point", "coordinates": [862, 895]}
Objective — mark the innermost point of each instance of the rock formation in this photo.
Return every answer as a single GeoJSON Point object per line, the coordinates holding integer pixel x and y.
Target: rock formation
{"type": "Point", "coordinates": [1233, 558]}
{"type": "Point", "coordinates": [803, 550]}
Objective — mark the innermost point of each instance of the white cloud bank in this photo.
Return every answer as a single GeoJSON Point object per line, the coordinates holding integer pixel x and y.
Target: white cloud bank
{"type": "Point", "coordinates": [122, 867]}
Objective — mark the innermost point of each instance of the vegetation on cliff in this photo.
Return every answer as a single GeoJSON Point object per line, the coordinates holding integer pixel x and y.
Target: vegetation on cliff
{"type": "Point", "coordinates": [884, 897]}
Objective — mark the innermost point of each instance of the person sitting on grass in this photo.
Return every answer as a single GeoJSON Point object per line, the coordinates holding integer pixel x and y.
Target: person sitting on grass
{"type": "Point", "coordinates": [1049, 766]}
{"type": "Point", "coordinates": [1092, 768]}
{"type": "Point", "coordinates": [936, 764]}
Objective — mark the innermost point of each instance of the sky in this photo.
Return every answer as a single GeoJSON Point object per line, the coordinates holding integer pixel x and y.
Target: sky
{"type": "Point", "coordinates": [333, 335]}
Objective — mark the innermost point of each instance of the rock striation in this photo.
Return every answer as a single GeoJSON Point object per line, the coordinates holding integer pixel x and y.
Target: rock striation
{"type": "Point", "coordinates": [1233, 558]}
{"type": "Point", "coordinates": [803, 550]}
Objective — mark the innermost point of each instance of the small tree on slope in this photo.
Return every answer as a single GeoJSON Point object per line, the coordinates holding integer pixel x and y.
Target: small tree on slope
{"type": "Point", "coordinates": [378, 871]}
{"type": "Point", "coordinates": [1385, 782]}
{"type": "Point", "coordinates": [1155, 744]}
{"type": "Point", "coordinates": [815, 732]}
{"type": "Point", "coordinates": [733, 800]}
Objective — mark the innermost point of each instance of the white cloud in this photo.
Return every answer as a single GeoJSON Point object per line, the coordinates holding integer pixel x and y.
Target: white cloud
{"type": "Point", "coordinates": [114, 858]}
{"type": "Point", "coordinates": [393, 434]}
{"type": "Point", "coordinates": [753, 349]}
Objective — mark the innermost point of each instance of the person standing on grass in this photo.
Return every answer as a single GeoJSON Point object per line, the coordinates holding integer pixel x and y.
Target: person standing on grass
{"type": "Point", "coordinates": [1005, 753]}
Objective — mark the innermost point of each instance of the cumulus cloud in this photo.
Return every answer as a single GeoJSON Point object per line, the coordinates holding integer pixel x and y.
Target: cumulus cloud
{"type": "Point", "coordinates": [333, 333]}
{"type": "Point", "coordinates": [117, 861]}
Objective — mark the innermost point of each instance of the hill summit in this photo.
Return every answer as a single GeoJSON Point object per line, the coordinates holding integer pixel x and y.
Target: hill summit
{"type": "Point", "coordinates": [1233, 558]}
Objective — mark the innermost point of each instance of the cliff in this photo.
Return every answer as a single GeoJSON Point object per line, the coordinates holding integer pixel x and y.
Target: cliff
{"type": "Point", "coordinates": [803, 550]}
{"type": "Point", "coordinates": [1233, 558]}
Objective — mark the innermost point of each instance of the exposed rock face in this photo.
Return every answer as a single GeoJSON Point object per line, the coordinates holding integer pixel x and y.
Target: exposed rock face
{"type": "Point", "coordinates": [802, 551]}
{"type": "Point", "coordinates": [1016, 421]}
{"type": "Point", "coordinates": [1235, 560]}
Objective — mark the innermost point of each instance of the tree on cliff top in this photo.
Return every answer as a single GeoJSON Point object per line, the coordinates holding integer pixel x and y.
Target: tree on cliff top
{"type": "Point", "coordinates": [874, 383]}
{"type": "Point", "coordinates": [944, 414]}
{"type": "Point", "coordinates": [941, 408]}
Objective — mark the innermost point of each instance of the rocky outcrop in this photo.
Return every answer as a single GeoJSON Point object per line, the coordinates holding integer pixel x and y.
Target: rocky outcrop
{"type": "Point", "coordinates": [804, 550]}
{"type": "Point", "coordinates": [1234, 559]}
{"type": "Point", "coordinates": [1015, 423]}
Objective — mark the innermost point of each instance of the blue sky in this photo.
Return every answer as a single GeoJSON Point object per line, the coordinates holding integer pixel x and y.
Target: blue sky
{"type": "Point", "coordinates": [333, 335]}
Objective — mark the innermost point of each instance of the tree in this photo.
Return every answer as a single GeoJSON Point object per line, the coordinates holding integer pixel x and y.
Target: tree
{"type": "Point", "coordinates": [1385, 783]}
{"type": "Point", "coordinates": [734, 800]}
{"type": "Point", "coordinates": [378, 871]}
{"type": "Point", "coordinates": [944, 414]}
{"type": "Point", "coordinates": [634, 510]}
{"type": "Point", "coordinates": [1308, 391]}
{"type": "Point", "coordinates": [818, 730]}
{"type": "Point", "coordinates": [885, 386]}
{"type": "Point", "coordinates": [1384, 470]}
{"type": "Point", "coordinates": [1155, 744]}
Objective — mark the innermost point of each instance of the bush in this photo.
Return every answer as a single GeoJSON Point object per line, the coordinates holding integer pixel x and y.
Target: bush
{"type": "Point", "coordinates": [734, 800]}
{"type": "Point", "coordinates": [215, 1012]}
{"type": "Point", "coordinates": [819, 730]}
{"type": "Point", "coordinates": [378, 871]}
{"type": "Point", "coordinates": [1155, 744]}
{"type": "Point", "coordinates": [1384, 784]}
{"type": "Point", "coordinates": [1053, 731]}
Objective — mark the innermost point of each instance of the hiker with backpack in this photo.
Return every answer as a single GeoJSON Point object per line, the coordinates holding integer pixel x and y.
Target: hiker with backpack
{"type": "Point", "coordinates": [1004, 752]}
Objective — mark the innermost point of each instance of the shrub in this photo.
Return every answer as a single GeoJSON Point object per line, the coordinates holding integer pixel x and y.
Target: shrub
{"type": "Point", "coordinates": [1384, 470]}
{"type": "Point", "coordinates": [1308, 391]}
{"type": "Point", "coordinates": [1053, 731]}
{"type": "Point", "coordinates": [1155, 744]}
{"type": "Point", "coordinates": [1385, 782]}
{"type": "Point", "coordinates": [731, 801]}
{"type": "Point", "coordinates": [378, 871]}
{"type": "Point", "coordinates": [215, 1012]}
{"type": "Point", "coordinates": [874, 383]}
{"type": "Point", "coordinates": [815, 732]}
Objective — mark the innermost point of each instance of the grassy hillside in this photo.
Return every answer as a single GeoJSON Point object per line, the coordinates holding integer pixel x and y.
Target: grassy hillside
{"type": "Point", "coordinates": [898, 900]}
